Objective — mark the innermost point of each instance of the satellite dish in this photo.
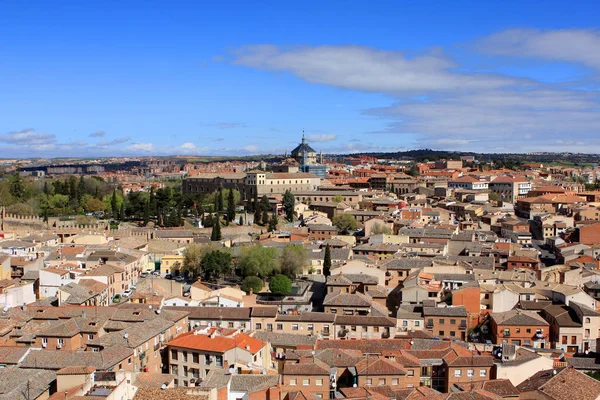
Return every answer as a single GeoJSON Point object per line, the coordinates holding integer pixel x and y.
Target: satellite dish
{"type": "Point", "coordinates": [164, 386]}
{"type": "Point", "coordinates": [126, 336]}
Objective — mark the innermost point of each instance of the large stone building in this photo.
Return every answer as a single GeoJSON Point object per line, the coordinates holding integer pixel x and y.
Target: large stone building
{"type": "Point", "coordinates": [306, 156]}
{"type": "Point", "coordinates": [249, 183]}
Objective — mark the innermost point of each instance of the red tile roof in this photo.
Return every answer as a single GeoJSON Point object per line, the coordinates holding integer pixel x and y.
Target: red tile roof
{"type": "Point", "coordinates": [217, 343]}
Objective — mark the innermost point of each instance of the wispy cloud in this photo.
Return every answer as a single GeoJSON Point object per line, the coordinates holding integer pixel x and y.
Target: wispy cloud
{"type": "Point", "coordinates": [97, 134]}
{"type": "Point", "coordinates": [579, 46]}
{"type": "Point", "coordinates": [326, 137]}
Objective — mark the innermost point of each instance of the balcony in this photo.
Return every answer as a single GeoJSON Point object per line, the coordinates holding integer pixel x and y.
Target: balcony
{"type": "Point", "coordinates": [429, 326]}
{"type": "Point", "coordinates": [462, 327]}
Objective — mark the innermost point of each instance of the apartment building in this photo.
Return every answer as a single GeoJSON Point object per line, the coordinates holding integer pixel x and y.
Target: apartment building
{"type": "Point", "coordinates": [193, 355]}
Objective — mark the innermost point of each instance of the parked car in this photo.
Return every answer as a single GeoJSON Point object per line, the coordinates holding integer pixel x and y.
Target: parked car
{"type": "Point", "coordinates": [168, 276]}
{"type": "Point", "coordinates": [180, 279]}
{"type": "Point", "coordinates": [143, 274]}
{"type": "Point", "coordinates": [156, 273]}
{"type": "Point", "coordinates": [127, 292]}
{"type": "Point", "coordinates": [116, 298]}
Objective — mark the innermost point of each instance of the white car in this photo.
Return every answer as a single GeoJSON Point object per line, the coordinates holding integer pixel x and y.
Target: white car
{"type": "Point", "coordinates": [127, 293]}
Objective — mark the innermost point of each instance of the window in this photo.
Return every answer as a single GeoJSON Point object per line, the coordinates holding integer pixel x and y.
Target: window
{"type": "Point", "coordinates": [230, 324]}
{"type": "Point", "coordinates": [470, 373]}
{"type": "Point", "coordinates": [207, 359]}
{"type": "Point", "coordinates": [453, 321]}
{"type": "Point", "coordinates": [528, 330]}
{"type": "Point", "coordinates": [319, 382]}
{"type": "Point", "coordinates": [174, 369]}
{"type": "Point", "coordinates": [294, 327]}
{"type": "Point", "coordinates": [404, 323]}
{"type": "Point", "coordinates": [311, 327]}
{"type": "Point", "coordinates": [196, 358]}
{"type": "Point", "coordinates": [452, 333]}
{"type": "Point", "coordinates": [417, 323]}
{"type": "Point", "coordinates": [395, 382]}
{"type": "Point", "coordinates": [258, 325]}
{"type": "Point", "coordinates": [483, 372]}
{"type": "Point", "coordinates": [375, 329]}
{"type": "Point", "coordinates": [441, 333]}
{"type": "Point", "coordinates": [573, 339]}
{"type": "Point", "coordinates": [353, 328]}
{"type": "Point", "coordinates": [270, 327]}
{"type": "Point", "coordinates": [369, 381]}
{"type": "Point", "coordinates": [441, 320]}
{"type": "Point", "coordinates": [279, 327]}
{"type": "Point", "coordinates": [507, 332]}
{"type": "Point", "coordinates": [305, 382]}
{"type": "Point", "coordinates": [219, 361]}
{"type": "Point", "coordinates": [293, 382]}
{"type": "Point", "coordinates": [381, 381]}
{"type": "Point", "coordinates": [410, 372]}
{"type": "Point", "coordinates": [185, 371]}
{"type": "Point", "coordinates": [90, 336]}
{"type": "Point", "coordinates": [457, 373]}
{"type": "Point", "coordinates": [564, 340]}
{"type": "Point", "coordinates": [185, 356]}
{"type": "Point", "coordinates": [45, 341]}
{"type": "Point", "coordinates": [174, 355]}
{"type": "Point", "coordinates": [587, 320]}
{"type": "Point", "coordinates": [61, 342]}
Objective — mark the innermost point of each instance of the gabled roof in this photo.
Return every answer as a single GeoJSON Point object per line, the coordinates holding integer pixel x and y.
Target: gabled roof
{"type": "Point", "coordinates": [519, 318]}
{"type": "Point", "coordinates": [217, 343]}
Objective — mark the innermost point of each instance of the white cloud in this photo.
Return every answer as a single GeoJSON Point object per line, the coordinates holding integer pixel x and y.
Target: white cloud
{"type": "Point", "coordinates": [28, 137]}
{"type": "Point", "coordinates": [251, 148]}
{"type": "Point", "coordinates": [569, 45]}
{"type": "Point", "coordinates": [368, 69]}
{"type": "Point", "coordinates": [326, 137]}
{"type": "Point", "coordinates": [141, 147]}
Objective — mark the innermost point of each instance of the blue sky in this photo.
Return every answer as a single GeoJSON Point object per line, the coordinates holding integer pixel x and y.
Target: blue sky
{"type": "Point", "coordinates": [236, 78]}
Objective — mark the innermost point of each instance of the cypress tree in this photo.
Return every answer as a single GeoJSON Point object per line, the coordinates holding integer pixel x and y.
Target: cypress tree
{"type": "Point", "coordinates": [265, 218]}
{"type": "Point", "coordinates": [215, 235]}
{"type": "Point", "coordinates": [272, 223]}
{"type": "Point", "coordinates": [230, 206]}
{"type": "Point", "coordinates": [257, 216]}
{"type": "Point", "coordinates": [327, 261]}
{"type": "Point", "coordinates": [113, 204]}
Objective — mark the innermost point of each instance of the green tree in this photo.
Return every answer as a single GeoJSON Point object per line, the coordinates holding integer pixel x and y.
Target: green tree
{"type": "Point", "coordinates": [17, 188]}
{"type": "Point", "coordinates": [122, 211]}
{"type": "Point", "coordinates": [381, 228]}
{"type": "Point", "coordinates": [288, 205]}
{"type": "Point", "coordinates": [219, 201]}
{"type": "Point", "coordinates": [258, 260]}
{"type": "Point", "coordinates": [215, 235]}
{"type": "Point", "coordinates": [93, 205]}
{"type": "Point", "coordinates": [257, 216]}
{"type": "Point", "coordinates": [265, 218]}
{"type": "Point", "coordinates": [273, 223]}
{"type": "Point", "coordinates": [192, 259]}
{"type": "Point", "coordinates": [114, 205]}
{"type": "Point", "coordinates": [265, 205]}
{"type": "Point", "coordinates": [147, 213]}
{"type": "Point", "coordinates": [338, 198]}
{"type": "Point", "coordinates": [293, 260]}
{"type": "Point", "coordinates": [280, 285]}
{"type": "Point", "coordinates": [241, 220]}
{"type": "Point", "coordinates": [230, 206]}
{"type": "Point", "coordinates": [215, 264]}
{"type": "Point", "coordinates": [493, 196]}
{"type": "Point", "coordinates": [252, 283]}
{"type": "Point", "coordinates": [345, 222]}
{"type": "Point", "coordinates": [327, 261]}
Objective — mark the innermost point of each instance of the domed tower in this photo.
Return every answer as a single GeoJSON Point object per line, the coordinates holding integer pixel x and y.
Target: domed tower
{"type": "Point", "coordinates": [304, 154]}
